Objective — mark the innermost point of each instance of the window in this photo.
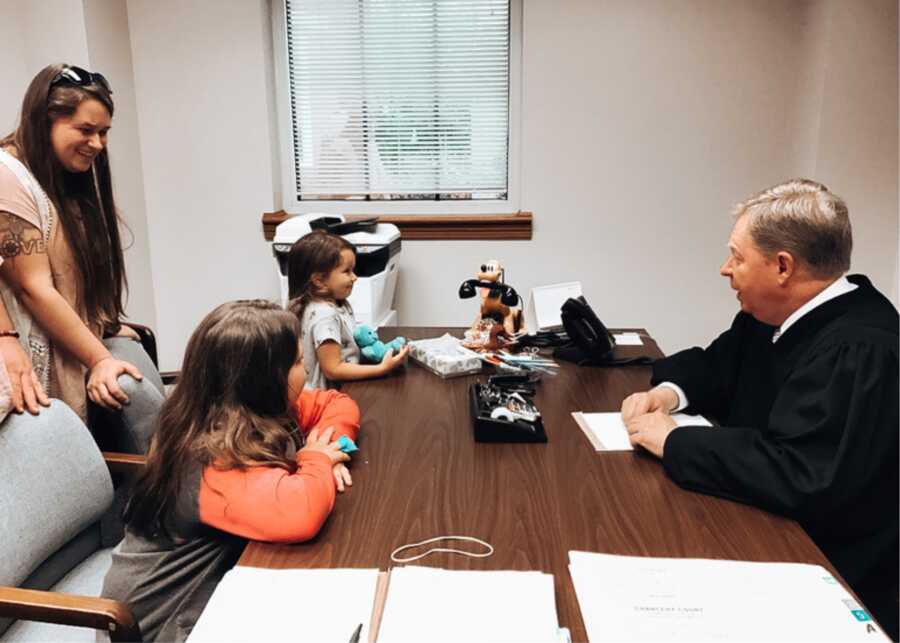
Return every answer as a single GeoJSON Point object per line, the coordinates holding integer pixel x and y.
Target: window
{"type": "Point", "coordinates": [396, 101]}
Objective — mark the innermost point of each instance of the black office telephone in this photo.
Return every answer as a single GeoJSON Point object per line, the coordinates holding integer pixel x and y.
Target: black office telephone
{"type": "Point", "coordinates": [591, 344]}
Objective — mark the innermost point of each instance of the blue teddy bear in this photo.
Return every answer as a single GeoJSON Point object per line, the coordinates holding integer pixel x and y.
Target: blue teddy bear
{"type": "Point", "coordinates": [373, 349]}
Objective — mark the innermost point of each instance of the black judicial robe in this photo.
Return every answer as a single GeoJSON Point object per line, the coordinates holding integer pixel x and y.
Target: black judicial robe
{"type": "Point", "coordinates": [809, 429]}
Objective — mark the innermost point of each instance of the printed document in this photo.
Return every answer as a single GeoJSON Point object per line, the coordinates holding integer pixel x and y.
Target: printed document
{"type": "Point", "coordinates": [607, 432]}
{"type": "Point", "coordinates": [252, 604]}
{"type": "Point", "coordinates": [633, 598]}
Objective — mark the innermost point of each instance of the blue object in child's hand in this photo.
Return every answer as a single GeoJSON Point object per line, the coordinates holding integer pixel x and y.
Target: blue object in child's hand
{"type": "Point", "coordinates": [347, 445]}
{"type": "Point", "coordinates": [373, 349]}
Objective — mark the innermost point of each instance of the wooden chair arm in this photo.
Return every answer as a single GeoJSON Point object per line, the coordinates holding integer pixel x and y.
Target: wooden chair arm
{"type": "Point", "coordinates": [127, 463]}
{"type": "Point", "coordinates": [70, 609]}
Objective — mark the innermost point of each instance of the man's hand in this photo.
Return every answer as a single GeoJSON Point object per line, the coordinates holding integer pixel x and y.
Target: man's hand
{"type": "Point", "coordinates": [650, 431]}
{"type": "Point", "coordinates": [342, 476]}
{"type": "Point", "coordinates": [661, 399]}
{"type": "Point", "coordinates": [27, 392]}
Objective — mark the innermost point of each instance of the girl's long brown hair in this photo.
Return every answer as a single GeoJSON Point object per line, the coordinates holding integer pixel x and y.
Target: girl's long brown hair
{"type": "Point", "coordinates": [316, 253]}
{"type": "Point", "coordinates": [95, 240]}
{"type": "Point", "coordinates": [229, 409]}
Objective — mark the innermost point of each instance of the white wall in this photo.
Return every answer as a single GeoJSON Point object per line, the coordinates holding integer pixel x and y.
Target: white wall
{"type": "Point", "coordinates": [53, 31]}
{"type": "Point", "coordinates": [200, 75]}
{"type": "Point", "coordinates": [32, 35]}
{"type": "Point", "coordinates": [643, 122]}
{"type": "Point", "coordinates": [858, 133]}
{"type": "Point", "coordinates": [15, 74]}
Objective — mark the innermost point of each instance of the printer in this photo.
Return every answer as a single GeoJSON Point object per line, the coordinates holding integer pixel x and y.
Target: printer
{"type": "Point", "coordinates": [377, 261]}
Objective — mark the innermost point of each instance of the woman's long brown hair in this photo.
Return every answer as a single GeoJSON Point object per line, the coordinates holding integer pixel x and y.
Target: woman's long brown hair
{"type": "Point", "coordinates": [229, 409]}
{"type": "Point", "coordinates": [316, 253]}
{"type": "Point", "coordinates": [95, 240]}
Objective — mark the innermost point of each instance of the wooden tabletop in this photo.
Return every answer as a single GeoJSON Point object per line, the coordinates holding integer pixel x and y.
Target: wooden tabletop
{"type": "Point", "coordinates": [419, 474]}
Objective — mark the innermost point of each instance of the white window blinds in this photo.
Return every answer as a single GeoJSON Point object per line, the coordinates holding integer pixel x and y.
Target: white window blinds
{"type": "Point", "coordinates": [399, 99]}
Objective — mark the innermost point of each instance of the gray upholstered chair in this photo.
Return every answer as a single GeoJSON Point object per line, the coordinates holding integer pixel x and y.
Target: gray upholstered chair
{"type": "Point", "coordinates": [130, 429]}
{"type": "Point", "coordinates": [55, 485]}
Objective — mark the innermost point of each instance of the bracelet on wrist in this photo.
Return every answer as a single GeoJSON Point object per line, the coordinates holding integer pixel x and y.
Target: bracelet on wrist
{"type": "Point", "coordinates": [9, 333]}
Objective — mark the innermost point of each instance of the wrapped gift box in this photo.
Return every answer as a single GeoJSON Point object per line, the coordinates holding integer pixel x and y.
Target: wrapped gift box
{"type": "Point", "coordinates": [445, 356]}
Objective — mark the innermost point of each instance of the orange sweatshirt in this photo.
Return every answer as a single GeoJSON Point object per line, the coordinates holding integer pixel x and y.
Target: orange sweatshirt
{"type": "Point", "coordinates": [271, 504]}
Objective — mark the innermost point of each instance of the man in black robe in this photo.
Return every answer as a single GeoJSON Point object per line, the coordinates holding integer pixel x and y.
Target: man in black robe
{"type": "Point", "coordinates": [804, 385]}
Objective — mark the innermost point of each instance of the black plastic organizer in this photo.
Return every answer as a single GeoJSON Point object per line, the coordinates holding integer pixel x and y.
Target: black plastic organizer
{"type": "Point", "coordinates": [488, 429]}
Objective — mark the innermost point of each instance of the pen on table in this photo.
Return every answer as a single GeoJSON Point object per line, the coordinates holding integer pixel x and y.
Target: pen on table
{"type": "Point", "coordinates": [354, 638]}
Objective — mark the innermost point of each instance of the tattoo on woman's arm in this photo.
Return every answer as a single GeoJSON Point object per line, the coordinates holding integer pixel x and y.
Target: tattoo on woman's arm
{"type": "Point", "coordinates": [19, 238]}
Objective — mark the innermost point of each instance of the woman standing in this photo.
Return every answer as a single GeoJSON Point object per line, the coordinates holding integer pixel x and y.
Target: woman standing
{"type": "Point", "coordinates": [63, 271]}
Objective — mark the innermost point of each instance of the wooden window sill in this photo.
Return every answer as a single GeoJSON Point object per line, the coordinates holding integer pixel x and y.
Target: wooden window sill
{"type": "Point", "coordinates": [416, 227]}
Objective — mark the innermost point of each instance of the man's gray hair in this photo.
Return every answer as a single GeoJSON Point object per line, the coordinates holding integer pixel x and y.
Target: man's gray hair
{"type": "Point", "coordinates": [804, 218]}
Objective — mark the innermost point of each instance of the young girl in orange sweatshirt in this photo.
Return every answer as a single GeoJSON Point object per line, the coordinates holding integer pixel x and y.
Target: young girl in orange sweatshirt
{"type": "Point", "coordinates": [227, 464]}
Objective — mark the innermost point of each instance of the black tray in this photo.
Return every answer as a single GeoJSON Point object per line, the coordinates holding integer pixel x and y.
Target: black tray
{"type": "Point", "coordinates": [488, 429]}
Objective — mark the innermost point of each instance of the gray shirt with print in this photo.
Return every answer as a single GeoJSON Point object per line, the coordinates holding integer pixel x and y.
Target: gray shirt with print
{"type": "Point", "coordinates": [324, 321]}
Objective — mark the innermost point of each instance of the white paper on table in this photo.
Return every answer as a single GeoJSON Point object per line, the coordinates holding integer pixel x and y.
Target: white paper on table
{"type": "Point", "coordinates": [630, 598]}
{"type": "Point", "coordinates": [627, 339]}
{"type": "Point", "coordinates": [252, 604]}
{"type": "Point", "coordinates": [607, 432]}
{"type": "Point", "coordinates": [429, 604]}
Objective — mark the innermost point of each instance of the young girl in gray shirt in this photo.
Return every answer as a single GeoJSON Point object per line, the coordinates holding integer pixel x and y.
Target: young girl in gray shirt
{"type": "Point", "coordinates": [320, 279]}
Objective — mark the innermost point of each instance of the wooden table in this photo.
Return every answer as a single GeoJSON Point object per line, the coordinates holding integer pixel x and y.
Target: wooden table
{"type": "Point", "coordinates": [420, 474]}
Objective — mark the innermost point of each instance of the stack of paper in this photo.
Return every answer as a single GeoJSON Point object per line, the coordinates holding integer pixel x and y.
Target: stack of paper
{"type": "Point", "coordinates": [252, 604]}
{"type": "Point", "coordinates": [626, 598]}
{"type": "Point", "coordinates": [427, 604]}
{"type": "Point", "coordinates": [607, 432]}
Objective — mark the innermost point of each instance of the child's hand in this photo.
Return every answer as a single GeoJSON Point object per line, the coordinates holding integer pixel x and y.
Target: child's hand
{"type": "Point", "coordinates": [322, 443]}
{"type": "Point", "coordinates": [342, 476]}
{"type": "Point", "coordinates": [390, 361]}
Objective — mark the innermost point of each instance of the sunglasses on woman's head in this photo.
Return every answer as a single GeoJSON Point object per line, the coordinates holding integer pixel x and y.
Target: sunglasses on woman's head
{"type": "Point", "coordinates": [82, 78]}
